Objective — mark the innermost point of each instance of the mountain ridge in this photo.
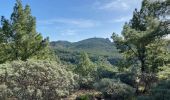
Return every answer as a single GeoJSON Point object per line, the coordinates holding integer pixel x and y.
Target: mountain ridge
{"type": "Point", "coordinates": [99, 46]}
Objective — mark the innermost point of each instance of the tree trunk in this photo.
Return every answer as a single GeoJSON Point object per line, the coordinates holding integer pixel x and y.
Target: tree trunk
{"type": "Point", "coordinates": [143, 65]}
{"type": "Point", "coordinates": [142, 56]}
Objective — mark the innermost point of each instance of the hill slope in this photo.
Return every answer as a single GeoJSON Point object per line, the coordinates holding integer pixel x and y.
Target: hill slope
{"type": "Point", "coordinates": [94, 46]}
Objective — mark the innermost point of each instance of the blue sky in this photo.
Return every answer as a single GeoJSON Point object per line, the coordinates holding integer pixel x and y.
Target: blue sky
{"type": "Point", "coordinates": [75, 20]}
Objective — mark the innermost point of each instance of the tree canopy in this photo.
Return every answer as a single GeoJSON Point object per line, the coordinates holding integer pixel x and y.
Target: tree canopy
{"type": "Point", "coordinates": [142, 38]}
{"type": "Point", "coordinates": [19, 38]}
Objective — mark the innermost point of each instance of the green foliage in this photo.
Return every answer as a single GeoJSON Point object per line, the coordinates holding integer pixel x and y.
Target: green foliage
{"type": "Point", "coordinates": [164, 73]}
{"type": "Point", "coordinates": [91, 46]}
{"type": "Point", "coordinates": [143, 98]}
{"type": "Point", "coordinates": [157, 55]}
{"type": "Point", "coordinates": [142, 37]}
{"type": "Point", "coordinates": [104, 68]}
{"type": "Point", "coordinates": [19, 39]}
{"type": "Point", "coordinates": [85, 97]}
{"type": "Point", "coordinates": [159, 92]}
{"type": "Point", "coordinates": [67, 57]}
{"type": "Point", "coordinates": [142, 44]}
{"type": "Point", "coordinates": [86, 69]}
{"type": "Point", "coordinates": [35, 80]}
{"type": "Point", "coordinates": [114, 89]}
{"type": "Point", "coordinates": [105, 72]}
{"type": "Point", "coordinates": [127, 78]}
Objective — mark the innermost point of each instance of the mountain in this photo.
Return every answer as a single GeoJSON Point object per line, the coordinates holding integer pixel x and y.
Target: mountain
{"type": "Point", "coordinates": [98, 46]}
{"type": "Point", "coordinates": [61, 44]}
{"type": "Point", "coordinates": [95, 47]}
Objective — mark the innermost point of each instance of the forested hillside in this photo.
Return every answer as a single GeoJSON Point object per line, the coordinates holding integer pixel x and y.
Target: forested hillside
{"type": "Point", "coordinates": [95, 47]}
{"type": "Point", "coordinates": [135, 66]}
{"type": "Point", "coordinates": [92, 46]}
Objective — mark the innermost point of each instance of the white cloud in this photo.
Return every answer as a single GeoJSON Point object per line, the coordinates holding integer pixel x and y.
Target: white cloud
{"type": "Point", "coordinates": [121, 19]}
{"type": "Point", "coordinates": [120, 5]}
{"type": "Point", "coordinates": [81, 23]}
{"type": "Point", "coordinates": [68, 32]}
{"type": "Point", "coordinates": [167, 37]}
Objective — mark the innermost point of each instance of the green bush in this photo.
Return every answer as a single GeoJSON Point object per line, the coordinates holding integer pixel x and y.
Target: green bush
{"type": "Point", "coordinates": [85, 97]}
{"type": "Point", "coordinates": [32, 80]}
{"type": "Point", "coordinates": [165, 72]}
{"type": "Point", "coordinates": [159, 92]}
{"type": "Point", "coordinates": [128, 78]}
{"type": "Point", "coordinates": [86, 70]}
{"type": "Point", "coordinates": [86, 82]}
{"type": "Point", "coordinates": [143, 98]}
{"type": "Point", "coordinates": [104, 71]}
{"type": "Point", "coordinates": [114, 89]}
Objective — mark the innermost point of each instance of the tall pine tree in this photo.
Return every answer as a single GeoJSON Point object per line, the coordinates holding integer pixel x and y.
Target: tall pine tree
{"type": "Point", "coordinates": [142, 42]}
{"type": "Point", "coordinates": [19, 38]}
{"type": "Point", "coordinates": [85, 67]}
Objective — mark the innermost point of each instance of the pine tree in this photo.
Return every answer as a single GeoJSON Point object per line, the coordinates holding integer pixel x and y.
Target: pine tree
{"type": "Point", "coordinates": [142, 35]}
{"type": "Point", "coordinates": [85, 66]}
{"type": "Point", "coordinates": [142, 42]}
{"type": "Point", "coordinates": [19, 36]}
{"type": "Point", "coordinates": [5, 40]}
{"type": "Point", "coordinates": [86, 71]}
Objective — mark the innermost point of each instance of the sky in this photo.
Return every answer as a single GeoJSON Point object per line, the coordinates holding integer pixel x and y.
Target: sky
{"type": "Point", "coordinates": [75, 20]}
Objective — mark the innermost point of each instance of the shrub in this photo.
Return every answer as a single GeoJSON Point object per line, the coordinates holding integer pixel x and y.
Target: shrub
{"type": "Point", "coordinates": [86, 70]}
{"type": "Point", "coordinates": [164, 73]}
{"type": "Point", "coordinates": [85, 97]}
{"type": "Point", "coordinates": [159, 92]}
{"type": "Point", "coordinates": [35, 80]}
{"type": "Point", "coordinates": [143, 98]}
{"type": "Point", "coordinates": [86, 82]}
{"type": "Point", "coordinates": [114, 89]}
{"type": "Point", "coordinates": [128, 78]}
{"type": "Point", "coordinates": [104, 71]}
